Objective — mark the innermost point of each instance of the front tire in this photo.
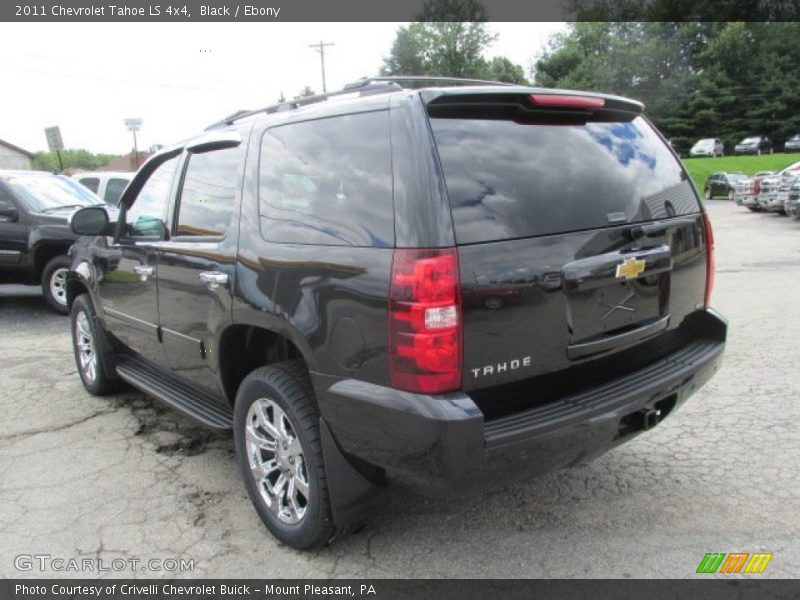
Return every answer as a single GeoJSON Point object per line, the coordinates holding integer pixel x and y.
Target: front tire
{"type": "Point", "coordinates": [709, 195]}
{"type": "Point", "coordinates": [93, 355]}
{"type": "Point", "coordinates": [279, 454]}
{"type": "Point", "coordinates": [54, 283]}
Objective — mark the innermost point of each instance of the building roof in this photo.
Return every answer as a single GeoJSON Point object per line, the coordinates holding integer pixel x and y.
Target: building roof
{"type": "Point", "coordinates": [127, 163]}
{"type": "Point", "coordinates": [16, 148]}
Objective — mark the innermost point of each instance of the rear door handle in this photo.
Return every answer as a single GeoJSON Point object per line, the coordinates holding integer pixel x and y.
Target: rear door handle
{"type": "Point", "coordinates": [213, 279]}
{"type": "Point", "coordinates": [143, 271]}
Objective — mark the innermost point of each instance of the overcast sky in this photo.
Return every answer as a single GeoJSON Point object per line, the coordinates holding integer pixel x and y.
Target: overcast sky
{"type": "Point", "coordinates": [87, 78]}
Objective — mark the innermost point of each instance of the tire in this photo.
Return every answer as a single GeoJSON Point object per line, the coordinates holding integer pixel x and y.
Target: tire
{"type": "Point", "coordinates": [731, 195]}
{"type": "Point", "coordinates": [278, 463]}
{"type": "Point", "coordinates": [754, 208]}
{"type": "Point", "coordinates": [709, 195]}
{"type": "Point", "coordinates": [94, 356]}
{"type": "Point", "coordinates": [54, 283]}
{"type": "Point", "coordinates": [758, 152]}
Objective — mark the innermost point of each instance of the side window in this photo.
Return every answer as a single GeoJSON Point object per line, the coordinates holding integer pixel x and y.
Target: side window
{"type": "Point", "coordinates": [145, 218]}
{"type": "Point", "coordinates": [328, 182]}
{"type": "Point", "coordinates": [93, 183]}
{"type": "Point", "coordinates": [208, 193]}
{"type": "Point", "coordinates": [114, 189]}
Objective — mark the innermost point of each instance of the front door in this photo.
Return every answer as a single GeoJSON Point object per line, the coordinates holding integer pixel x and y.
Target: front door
{"type": "Point", "coordinates": [13, 237]}
{"type": "Point", "coordinates": [128, 286]}
{"type": "Point", "coordinates": [196, 265]}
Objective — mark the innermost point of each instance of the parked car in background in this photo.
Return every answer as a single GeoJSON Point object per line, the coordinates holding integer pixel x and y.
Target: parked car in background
{"type": "Point", "coordinates": [708, 147]}
{"type": "Point", "coordinates": [747, 190]}
{"type": "Point", "coordinates": [34, 233]}
{"type": "Point", "coordinates": [107, 185]}
{"type": "Point", "coordinates": [784, 190]}
{"type": "Point", "coordinates": [770, 186]}
{"type": "Point", "coordinates": [792, 144]}
{"type": "Point", "coordinates": [757, 144]}
{"type": "Point", "coordinates": [792, 205]}
{"type": "Point", "coordinates": [723, 184]}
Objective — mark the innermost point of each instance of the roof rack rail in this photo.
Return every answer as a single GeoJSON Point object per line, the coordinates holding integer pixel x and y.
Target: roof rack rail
{"type": "Point", "coordinates": [365, 86]}
{"type": "Point", "coordinates": [432, 79]}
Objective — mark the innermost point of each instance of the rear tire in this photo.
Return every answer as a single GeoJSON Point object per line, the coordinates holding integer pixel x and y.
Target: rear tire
{"type": "Point", "coordinates": [93, 355]}
{"type": "Point", "coordinates": [279, 454]}
{"type": "Point", "coordinates": [54, 283]}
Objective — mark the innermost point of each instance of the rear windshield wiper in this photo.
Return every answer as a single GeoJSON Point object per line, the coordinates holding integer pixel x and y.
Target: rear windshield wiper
{"type": "Point", "coordinates": [658, 228]}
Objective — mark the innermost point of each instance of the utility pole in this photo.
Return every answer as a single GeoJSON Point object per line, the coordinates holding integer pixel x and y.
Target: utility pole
{"type": "Point", "coordinates": [321, 49]}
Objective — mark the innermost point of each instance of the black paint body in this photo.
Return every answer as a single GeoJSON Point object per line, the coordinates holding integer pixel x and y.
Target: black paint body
{"type": "Point", "coordinates": [543, 298]}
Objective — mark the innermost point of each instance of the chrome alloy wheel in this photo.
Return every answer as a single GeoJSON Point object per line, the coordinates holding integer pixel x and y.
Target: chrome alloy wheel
{"type": "Point", "coordinates": [87, 354]}
{"type": "Point", "coordinates": [58, 285]}
{"type": "Point", "coordinates": [276, 461]}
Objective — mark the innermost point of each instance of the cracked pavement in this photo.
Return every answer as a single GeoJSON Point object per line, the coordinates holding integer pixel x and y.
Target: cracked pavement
{"type": "Point", "coordinates": [124, 476]}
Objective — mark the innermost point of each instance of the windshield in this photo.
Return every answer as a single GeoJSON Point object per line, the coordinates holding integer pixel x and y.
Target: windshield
{"type": "Point", "coordinates": [736, 176]}
{"type": "Point", "coordinates": [704, 143]}
{"type": "Point", "coordinates": [44, 193]}
{"type": "Point", "coordinates": [750, 140]}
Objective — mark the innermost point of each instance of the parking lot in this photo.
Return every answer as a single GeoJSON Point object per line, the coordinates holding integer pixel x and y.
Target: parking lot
{"type": "Point", "coordinates": [123, 477]}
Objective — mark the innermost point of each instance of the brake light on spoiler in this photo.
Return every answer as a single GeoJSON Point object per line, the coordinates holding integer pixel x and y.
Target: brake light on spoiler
{"type": "Point", "coordinates": [566, 101]}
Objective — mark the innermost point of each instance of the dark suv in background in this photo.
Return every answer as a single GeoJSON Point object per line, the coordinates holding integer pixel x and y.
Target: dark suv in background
{"type": "Point", "coordinates": [434, 282]}
{"type": "Point", "coordinates": [757, 144]}
{"type": "Point", "coordinates": [34, 230]}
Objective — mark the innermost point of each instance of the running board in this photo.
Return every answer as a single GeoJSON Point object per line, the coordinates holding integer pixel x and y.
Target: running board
{"type": "Point", "coordinates": [201, 406]}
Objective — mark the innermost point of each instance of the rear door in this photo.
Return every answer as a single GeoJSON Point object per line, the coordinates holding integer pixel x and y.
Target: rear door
{"type": "Point", "coordinates": [196, 265]}
{"type": "Point", "coordinates": [579, 234]}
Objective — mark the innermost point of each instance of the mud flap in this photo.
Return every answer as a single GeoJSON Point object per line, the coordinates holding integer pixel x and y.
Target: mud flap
{"type": "Point", "coordinates": [355, 490]}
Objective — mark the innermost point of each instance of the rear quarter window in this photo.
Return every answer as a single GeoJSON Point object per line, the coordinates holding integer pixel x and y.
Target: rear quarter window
{"type": "Point", "coordinates": [507, 180]}
{"type": "Point", "coordinates": [328, 182]}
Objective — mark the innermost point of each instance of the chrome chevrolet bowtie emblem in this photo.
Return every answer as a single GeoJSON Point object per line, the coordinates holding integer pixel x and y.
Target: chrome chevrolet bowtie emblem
{"type": "Point", "coordinates": [630, 268]}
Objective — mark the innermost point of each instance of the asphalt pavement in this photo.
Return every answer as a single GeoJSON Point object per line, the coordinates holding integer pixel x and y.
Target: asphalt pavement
{"type": "Point", "coordinates": [107, 481]}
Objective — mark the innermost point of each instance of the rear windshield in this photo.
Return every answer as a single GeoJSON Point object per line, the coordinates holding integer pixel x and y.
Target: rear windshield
{"type": "Point", "coordinates": [507, 180]}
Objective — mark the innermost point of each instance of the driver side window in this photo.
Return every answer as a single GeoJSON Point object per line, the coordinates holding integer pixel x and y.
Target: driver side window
{"type": "Point", "coordinates": [145, 218]}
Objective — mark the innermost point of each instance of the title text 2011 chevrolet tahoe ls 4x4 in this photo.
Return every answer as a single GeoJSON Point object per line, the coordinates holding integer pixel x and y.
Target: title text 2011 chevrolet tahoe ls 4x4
{"type": "Point", "coordinates": [426, 281]}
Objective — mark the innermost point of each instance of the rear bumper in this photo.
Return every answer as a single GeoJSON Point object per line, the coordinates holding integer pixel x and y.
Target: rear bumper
{"type": "Point", "coordinates": [446, 436]}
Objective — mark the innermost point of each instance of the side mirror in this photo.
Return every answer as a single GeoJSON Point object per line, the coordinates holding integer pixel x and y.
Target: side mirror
{"type": "Point", "coordinates": [92, 220]}
{"type": "Point", "coordinates": [8, 212]}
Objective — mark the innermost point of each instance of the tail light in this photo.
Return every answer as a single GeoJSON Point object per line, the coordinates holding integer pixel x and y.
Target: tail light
{"type": "Point", "coordinates": [710, 267]}
{"type": "Point", "coordinates": [425, 321]}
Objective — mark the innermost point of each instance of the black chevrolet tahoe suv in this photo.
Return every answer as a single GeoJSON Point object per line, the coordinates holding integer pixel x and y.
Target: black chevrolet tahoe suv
{"type": "Point", "coordinates": [429, 282]}
{"type": "Point", "coordinates": [34, 230]}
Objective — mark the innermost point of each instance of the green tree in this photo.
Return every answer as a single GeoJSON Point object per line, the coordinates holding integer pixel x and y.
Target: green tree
{"type": "Point", "coordinates": [72, 159]}
{"type": "Point", "coordinates": [449, 39]}
{"type": "Point", "coordinates": [724, 80]}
